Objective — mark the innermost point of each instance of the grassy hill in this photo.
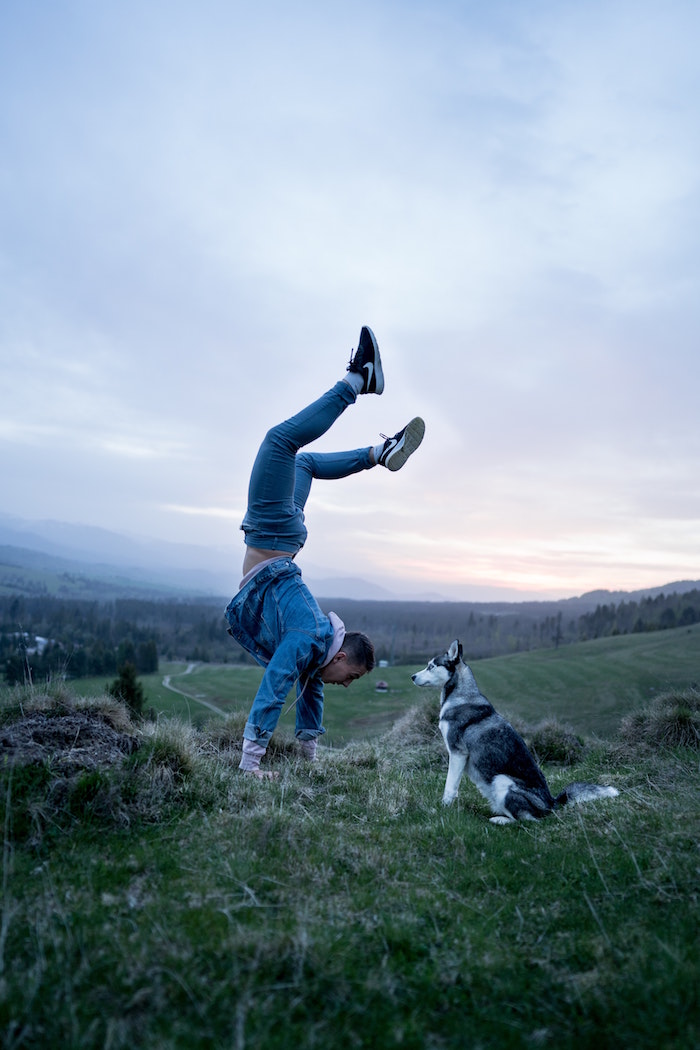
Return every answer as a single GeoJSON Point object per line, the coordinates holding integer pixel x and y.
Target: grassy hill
{"type": "Point", "coordinates": [589, 685]}
{"type": "Point", "coordinates": [155, 897]}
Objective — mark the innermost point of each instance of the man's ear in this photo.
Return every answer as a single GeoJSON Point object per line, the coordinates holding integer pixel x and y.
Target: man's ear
{"type": "Point", "coordinates": [339, 656]}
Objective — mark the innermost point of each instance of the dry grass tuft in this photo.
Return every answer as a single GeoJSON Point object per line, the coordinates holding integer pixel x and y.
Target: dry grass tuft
{"type": "Point", "coordinates": [417, 728]}
{"type": "Point", "coordinates": [551, 741]}
{"type": "Point", "coordinates": [170, 745]}
{"type": "Point", "coordinates": [671, 720]}
{"type": "Point", "coordinates": [56, 699]}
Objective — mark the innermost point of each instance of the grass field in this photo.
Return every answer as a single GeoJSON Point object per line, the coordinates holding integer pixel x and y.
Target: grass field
{"type": "Point", "coordinates": [590, 685]}
{"type": "Point", "coordinates": [163, 900]}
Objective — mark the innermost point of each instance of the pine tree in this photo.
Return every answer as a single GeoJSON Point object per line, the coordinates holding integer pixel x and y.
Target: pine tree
{"type": "Point", "coordinates": [128, 689]}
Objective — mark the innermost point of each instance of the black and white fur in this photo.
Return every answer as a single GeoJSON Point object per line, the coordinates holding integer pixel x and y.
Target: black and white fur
{"type": "Point", "coordinates": [495, 757]}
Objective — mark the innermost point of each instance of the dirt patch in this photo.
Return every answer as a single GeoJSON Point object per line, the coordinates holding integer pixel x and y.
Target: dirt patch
{"type": "Point", "coordinates": [72, 741]}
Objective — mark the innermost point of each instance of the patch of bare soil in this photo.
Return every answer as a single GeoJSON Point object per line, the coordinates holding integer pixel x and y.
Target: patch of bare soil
{"type": "Point", "coordinates": [70, 742]}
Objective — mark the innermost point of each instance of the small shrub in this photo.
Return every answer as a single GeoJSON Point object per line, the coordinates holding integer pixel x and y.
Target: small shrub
{"type": "Point", "coordinates": [129, 690]}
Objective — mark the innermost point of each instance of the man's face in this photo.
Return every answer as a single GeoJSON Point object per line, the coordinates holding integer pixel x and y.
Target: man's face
{"type": "Point", "coordinates": [340, 671]}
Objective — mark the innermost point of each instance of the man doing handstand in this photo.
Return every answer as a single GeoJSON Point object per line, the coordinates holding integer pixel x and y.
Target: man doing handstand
{"type": "Point", "coordinates": [274, 616]}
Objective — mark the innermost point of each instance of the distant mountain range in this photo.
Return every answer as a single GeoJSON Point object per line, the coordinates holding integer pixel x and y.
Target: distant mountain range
{"type": "Point", "coordinates": [85, 561]}
{"type": "Point", "coordinates": [133, 564]}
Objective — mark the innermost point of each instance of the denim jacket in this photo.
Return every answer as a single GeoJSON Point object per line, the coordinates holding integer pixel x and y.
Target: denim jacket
{"type": "Point", "coordinates": [274, 602]}
{"type": "Point", "coordinates": [278, 621]}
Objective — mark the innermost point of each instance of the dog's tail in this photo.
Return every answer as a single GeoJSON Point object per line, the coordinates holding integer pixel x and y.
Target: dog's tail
{"type": "Point", "coordinates": [579, 791]}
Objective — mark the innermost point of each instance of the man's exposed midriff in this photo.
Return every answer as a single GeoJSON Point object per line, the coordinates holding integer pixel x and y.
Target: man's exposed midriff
{"type": "Point", "coordinates": [254, 555]}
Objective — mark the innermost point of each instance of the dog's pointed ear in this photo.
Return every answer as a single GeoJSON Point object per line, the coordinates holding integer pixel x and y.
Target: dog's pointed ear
{"type": "Point", "coordinates": [454, 653]}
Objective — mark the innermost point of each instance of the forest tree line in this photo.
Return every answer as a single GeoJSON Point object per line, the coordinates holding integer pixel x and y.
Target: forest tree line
{"type": "Point", "coordinates": [42, 637]}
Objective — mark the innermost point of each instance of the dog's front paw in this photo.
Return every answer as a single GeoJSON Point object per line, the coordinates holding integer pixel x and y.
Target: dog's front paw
{"type": "Point", "coordinates": [447, 800]}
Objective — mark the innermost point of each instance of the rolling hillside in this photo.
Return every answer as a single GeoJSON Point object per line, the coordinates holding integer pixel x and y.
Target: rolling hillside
{"type": "Point", "coordinates": [589, 685]}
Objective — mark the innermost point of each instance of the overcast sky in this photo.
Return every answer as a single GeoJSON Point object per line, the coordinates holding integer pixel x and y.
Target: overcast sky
{"type": "Point", "coordinates": [201, 203]}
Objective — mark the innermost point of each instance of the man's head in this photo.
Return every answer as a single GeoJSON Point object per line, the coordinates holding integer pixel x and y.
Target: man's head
{"type": "Point", "coordinates": [354, 659]}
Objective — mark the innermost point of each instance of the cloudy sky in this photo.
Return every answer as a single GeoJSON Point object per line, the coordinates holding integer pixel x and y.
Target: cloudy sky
{"type": "Point", "coordinates": [201, 203]}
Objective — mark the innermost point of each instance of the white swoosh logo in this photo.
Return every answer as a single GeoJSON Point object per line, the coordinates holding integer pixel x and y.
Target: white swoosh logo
{"type": "Point", "coordinates": [370, 372]}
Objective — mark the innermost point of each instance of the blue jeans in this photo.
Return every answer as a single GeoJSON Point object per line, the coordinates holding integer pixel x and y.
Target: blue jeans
{"type": "Point", "coordinates": [281, 477]}
{"type": "Point", "coordinates": [274, 616]}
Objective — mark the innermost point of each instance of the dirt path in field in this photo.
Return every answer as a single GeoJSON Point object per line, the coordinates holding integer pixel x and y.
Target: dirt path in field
{"type": "Point", "coordinates": [190, 696]}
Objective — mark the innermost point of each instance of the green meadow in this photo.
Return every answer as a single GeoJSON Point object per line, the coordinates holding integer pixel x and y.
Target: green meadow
{"type": "Point", "coordinates": [153, 896]}
{"type": "Point", "coordinates": [589, 685]}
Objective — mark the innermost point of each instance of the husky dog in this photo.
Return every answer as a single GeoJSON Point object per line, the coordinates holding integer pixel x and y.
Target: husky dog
{"type": "Point", "coordinates": [495, 756]}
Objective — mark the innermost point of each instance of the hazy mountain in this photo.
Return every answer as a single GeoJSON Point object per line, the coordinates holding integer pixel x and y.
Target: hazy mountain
{"type": "Point", "coordinates": [99, 552]}
{"type": "Point", "coordinates": [136, 565]}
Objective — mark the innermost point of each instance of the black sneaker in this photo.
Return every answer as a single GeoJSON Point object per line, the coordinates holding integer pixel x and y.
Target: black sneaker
{"type": "Point", "coordinates": [397, 449]}
{"type": "Point", "coordinates": [367, 363]}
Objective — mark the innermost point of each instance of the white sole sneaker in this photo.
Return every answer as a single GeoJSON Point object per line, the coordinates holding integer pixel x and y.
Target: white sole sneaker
{"type": "Point", "coordinates": [398, 448]}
